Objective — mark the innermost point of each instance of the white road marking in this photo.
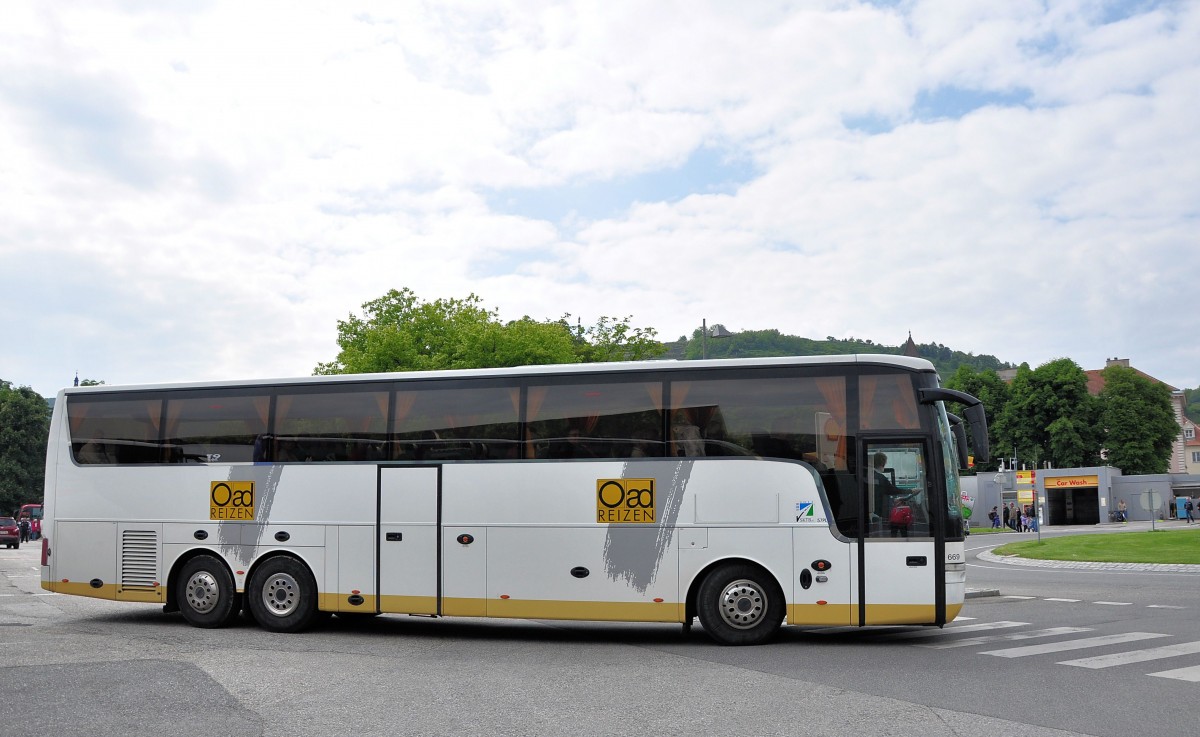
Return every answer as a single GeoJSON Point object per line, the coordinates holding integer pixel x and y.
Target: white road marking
{"type": "Point", "coordinates": [1180, 674]}
{"type": "Point", "coordinates": [922, 634]}
{"type": "Point", "coordinates": [1136, 656]}
{"type": "Point", "coordinates": [1057, 647]}
{"type": "Point", "coordinates": [972, 641]}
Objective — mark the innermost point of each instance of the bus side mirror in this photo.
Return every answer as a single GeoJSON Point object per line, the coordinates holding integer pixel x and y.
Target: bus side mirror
{"type": "Point", "coordinates": [976, 416]}
{"type": "Point", "coordinates": [960, 439]}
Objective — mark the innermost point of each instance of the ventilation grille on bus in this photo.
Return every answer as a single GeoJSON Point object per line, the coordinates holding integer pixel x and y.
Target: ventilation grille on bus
{"type": "Point", "coordinates": [139, 559]}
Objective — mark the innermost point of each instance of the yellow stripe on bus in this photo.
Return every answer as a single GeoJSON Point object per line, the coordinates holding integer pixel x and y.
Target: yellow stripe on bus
{"type": "Point", "coordinates": [110, 591]}
{"type": "Point", "coordinates": [602, 611]}
{"type": "Point", "coordinates": [901, 614]}
{"type": "Point", "coordinates": [818, 614]}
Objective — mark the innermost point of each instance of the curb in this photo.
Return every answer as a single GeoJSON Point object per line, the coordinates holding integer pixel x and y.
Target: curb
{"type": "Point", "coordinates": [980, 593]}
{"type": "Point", "coordinates": [1015, 560]}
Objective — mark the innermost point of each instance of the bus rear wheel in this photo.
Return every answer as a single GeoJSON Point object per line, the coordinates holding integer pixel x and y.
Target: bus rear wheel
{"type": "Point", "coordinates": [740, 604]}
{"type": "Point", "coordinates": [205, 593]}
{"type": "Point", "coordinates": [282, 595]}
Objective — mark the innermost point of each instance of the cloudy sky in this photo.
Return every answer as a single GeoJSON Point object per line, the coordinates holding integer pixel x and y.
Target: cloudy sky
{"type": "Point", "coordinates": [195, 191]}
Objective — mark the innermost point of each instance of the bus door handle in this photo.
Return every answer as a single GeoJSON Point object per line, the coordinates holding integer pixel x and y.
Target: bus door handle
{"type": "Point", "coordinates": [394, 537]}
{"type": "Point", "coordinates": [916, 560]}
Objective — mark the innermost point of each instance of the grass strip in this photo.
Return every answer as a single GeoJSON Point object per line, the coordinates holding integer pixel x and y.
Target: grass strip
{"type": "Point", "coordinates": [1151, 546]}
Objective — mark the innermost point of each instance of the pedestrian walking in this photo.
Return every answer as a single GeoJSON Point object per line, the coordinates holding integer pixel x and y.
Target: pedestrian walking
{"type": "Point", "coordinates": [994, 516]}
{"type": "Point", "coordinates": [1187, 509]}
{"type": "Point", "coordinates": [24, 526]}
{"type": "Point", "coordinates": [1006, 513]}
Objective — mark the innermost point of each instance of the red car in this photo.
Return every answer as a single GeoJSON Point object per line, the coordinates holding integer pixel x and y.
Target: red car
{"type": "Point", "coordinates": [10, 533]}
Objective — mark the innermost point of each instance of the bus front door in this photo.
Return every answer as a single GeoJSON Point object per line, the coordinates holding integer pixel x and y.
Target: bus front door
{"type": "Point", "coordinates": [899, 550]}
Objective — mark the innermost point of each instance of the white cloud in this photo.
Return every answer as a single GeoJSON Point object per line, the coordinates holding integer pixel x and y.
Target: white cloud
{"type": "Point", "coordinates": [203, 193]}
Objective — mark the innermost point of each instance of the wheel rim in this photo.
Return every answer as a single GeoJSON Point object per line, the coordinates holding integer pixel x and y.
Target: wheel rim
{"type": "Point", "coordinates": [743, 604]}
{"type": "Point", "coordinates": [281, 594]}
{"type": "Point", "coordinates": [203, 592]}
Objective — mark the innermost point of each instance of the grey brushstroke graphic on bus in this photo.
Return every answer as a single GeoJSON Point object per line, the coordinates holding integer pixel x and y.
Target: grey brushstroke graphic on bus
{"type": "Point", "coordinates": [636, 553]}
{"type": "Point", "coordinates": [230, 534]}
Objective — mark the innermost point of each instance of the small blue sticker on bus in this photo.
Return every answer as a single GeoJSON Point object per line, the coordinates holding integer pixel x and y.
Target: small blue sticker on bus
{"type": "Point", "coordinates": [806, 512]}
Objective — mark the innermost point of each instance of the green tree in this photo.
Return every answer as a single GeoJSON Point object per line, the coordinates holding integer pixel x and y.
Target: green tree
{"type": "Point", "coordinates": [1191, 400]}
{"type": "Point", "coordinates": [986, 386]}
{"type": "Point", "coordinates": [1051, 417]}
{"type": "Point", "coordinates": [400, 332]}
{"type": "Point", "coordinates": [24, 430]}
{"type": "Point", "coordinates": [1139, 423]}
{"type": "Point", "coordinates": [611, 339]}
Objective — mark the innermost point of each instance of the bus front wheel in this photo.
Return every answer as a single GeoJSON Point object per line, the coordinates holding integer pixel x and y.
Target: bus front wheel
{"type": "Point", "coordinates": [740, 604]}
{"type": "Point", "coordinates": [282, 595]}
{"type": "Point", "coordinates": [205, 593]}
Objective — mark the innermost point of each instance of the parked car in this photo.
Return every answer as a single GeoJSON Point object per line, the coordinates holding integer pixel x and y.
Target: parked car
{"type": "Point", "coordinates": [10, 533]}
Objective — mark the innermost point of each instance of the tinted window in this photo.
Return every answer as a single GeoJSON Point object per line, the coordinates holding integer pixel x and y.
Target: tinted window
{"type": "Point", "coordinates": [442, 421]}
{"type": "Point", "coordinates": [216, 426]}
{"type": "Point", "coordinates": [595, 420]}
{"type": "Point", "coordinates": [115, 431]}
{"type": "Point", "coordinates": [887, 402]}
{"type": "Point", "coordinates": [345, 425]}
{"type": "Point", "coordinates": [780, 417]}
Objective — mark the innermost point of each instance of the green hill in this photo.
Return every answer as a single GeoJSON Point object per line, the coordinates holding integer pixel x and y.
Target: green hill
{"type": "Point", "coordinates": [762, 343]}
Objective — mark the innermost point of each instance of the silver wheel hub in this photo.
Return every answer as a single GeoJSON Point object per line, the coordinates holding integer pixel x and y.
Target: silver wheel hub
{"type": "Point", "coordinates": [743, 604]}
{"type": "Point", "coordinates": [203, 593]}
{"type": "Point", "coordinates": [281, 594]}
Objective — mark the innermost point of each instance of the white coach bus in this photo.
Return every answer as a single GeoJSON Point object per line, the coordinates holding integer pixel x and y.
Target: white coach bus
{"type": "Point", "coordinates": [821, 490]}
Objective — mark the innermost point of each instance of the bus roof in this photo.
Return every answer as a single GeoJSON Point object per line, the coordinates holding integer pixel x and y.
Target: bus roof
{"type": "Point", "coordinates": [882, 359]}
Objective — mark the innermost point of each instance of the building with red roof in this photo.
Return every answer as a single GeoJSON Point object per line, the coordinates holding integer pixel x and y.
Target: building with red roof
{"type": "Point", "coordinates": [1179, 450]}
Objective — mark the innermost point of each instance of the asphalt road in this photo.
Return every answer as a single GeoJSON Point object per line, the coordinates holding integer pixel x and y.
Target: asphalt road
{"type": "Point", "coordinates": [87, 667]}
{"type": "Point", "coordinates": [1116, 685]}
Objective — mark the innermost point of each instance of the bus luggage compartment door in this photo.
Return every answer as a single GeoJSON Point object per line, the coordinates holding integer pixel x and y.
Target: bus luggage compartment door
{"type": "Point", "coordinates": [407, 539]}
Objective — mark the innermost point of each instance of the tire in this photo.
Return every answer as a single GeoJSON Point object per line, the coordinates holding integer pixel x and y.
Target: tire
{"type": "Point", "coordinates": [740, 604]}
{"type": "Point", "coordinates": [282, 595]}
{"type": "Point", "coordinates": [205, 593]}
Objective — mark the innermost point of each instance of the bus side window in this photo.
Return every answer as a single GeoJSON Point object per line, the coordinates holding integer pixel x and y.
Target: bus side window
{"type": "Point", "coordinates": [596, 419]}
{"type": "Point", "coordinates": [333, 424]}
{"type": "Point", "coordinates": [105, 431]}
{"type": "Point", "coordinates": [444, 421]}
{"type": "Point", "coordinates": [216, 426]}
{"type": "Point", "coordinates": [842, 489]}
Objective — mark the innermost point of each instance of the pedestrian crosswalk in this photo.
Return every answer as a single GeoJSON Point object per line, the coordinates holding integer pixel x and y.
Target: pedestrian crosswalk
{"type": "Point", "coordinates": [1063, 646]}
{"type": "Point", "coordinates": [966, 632]}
